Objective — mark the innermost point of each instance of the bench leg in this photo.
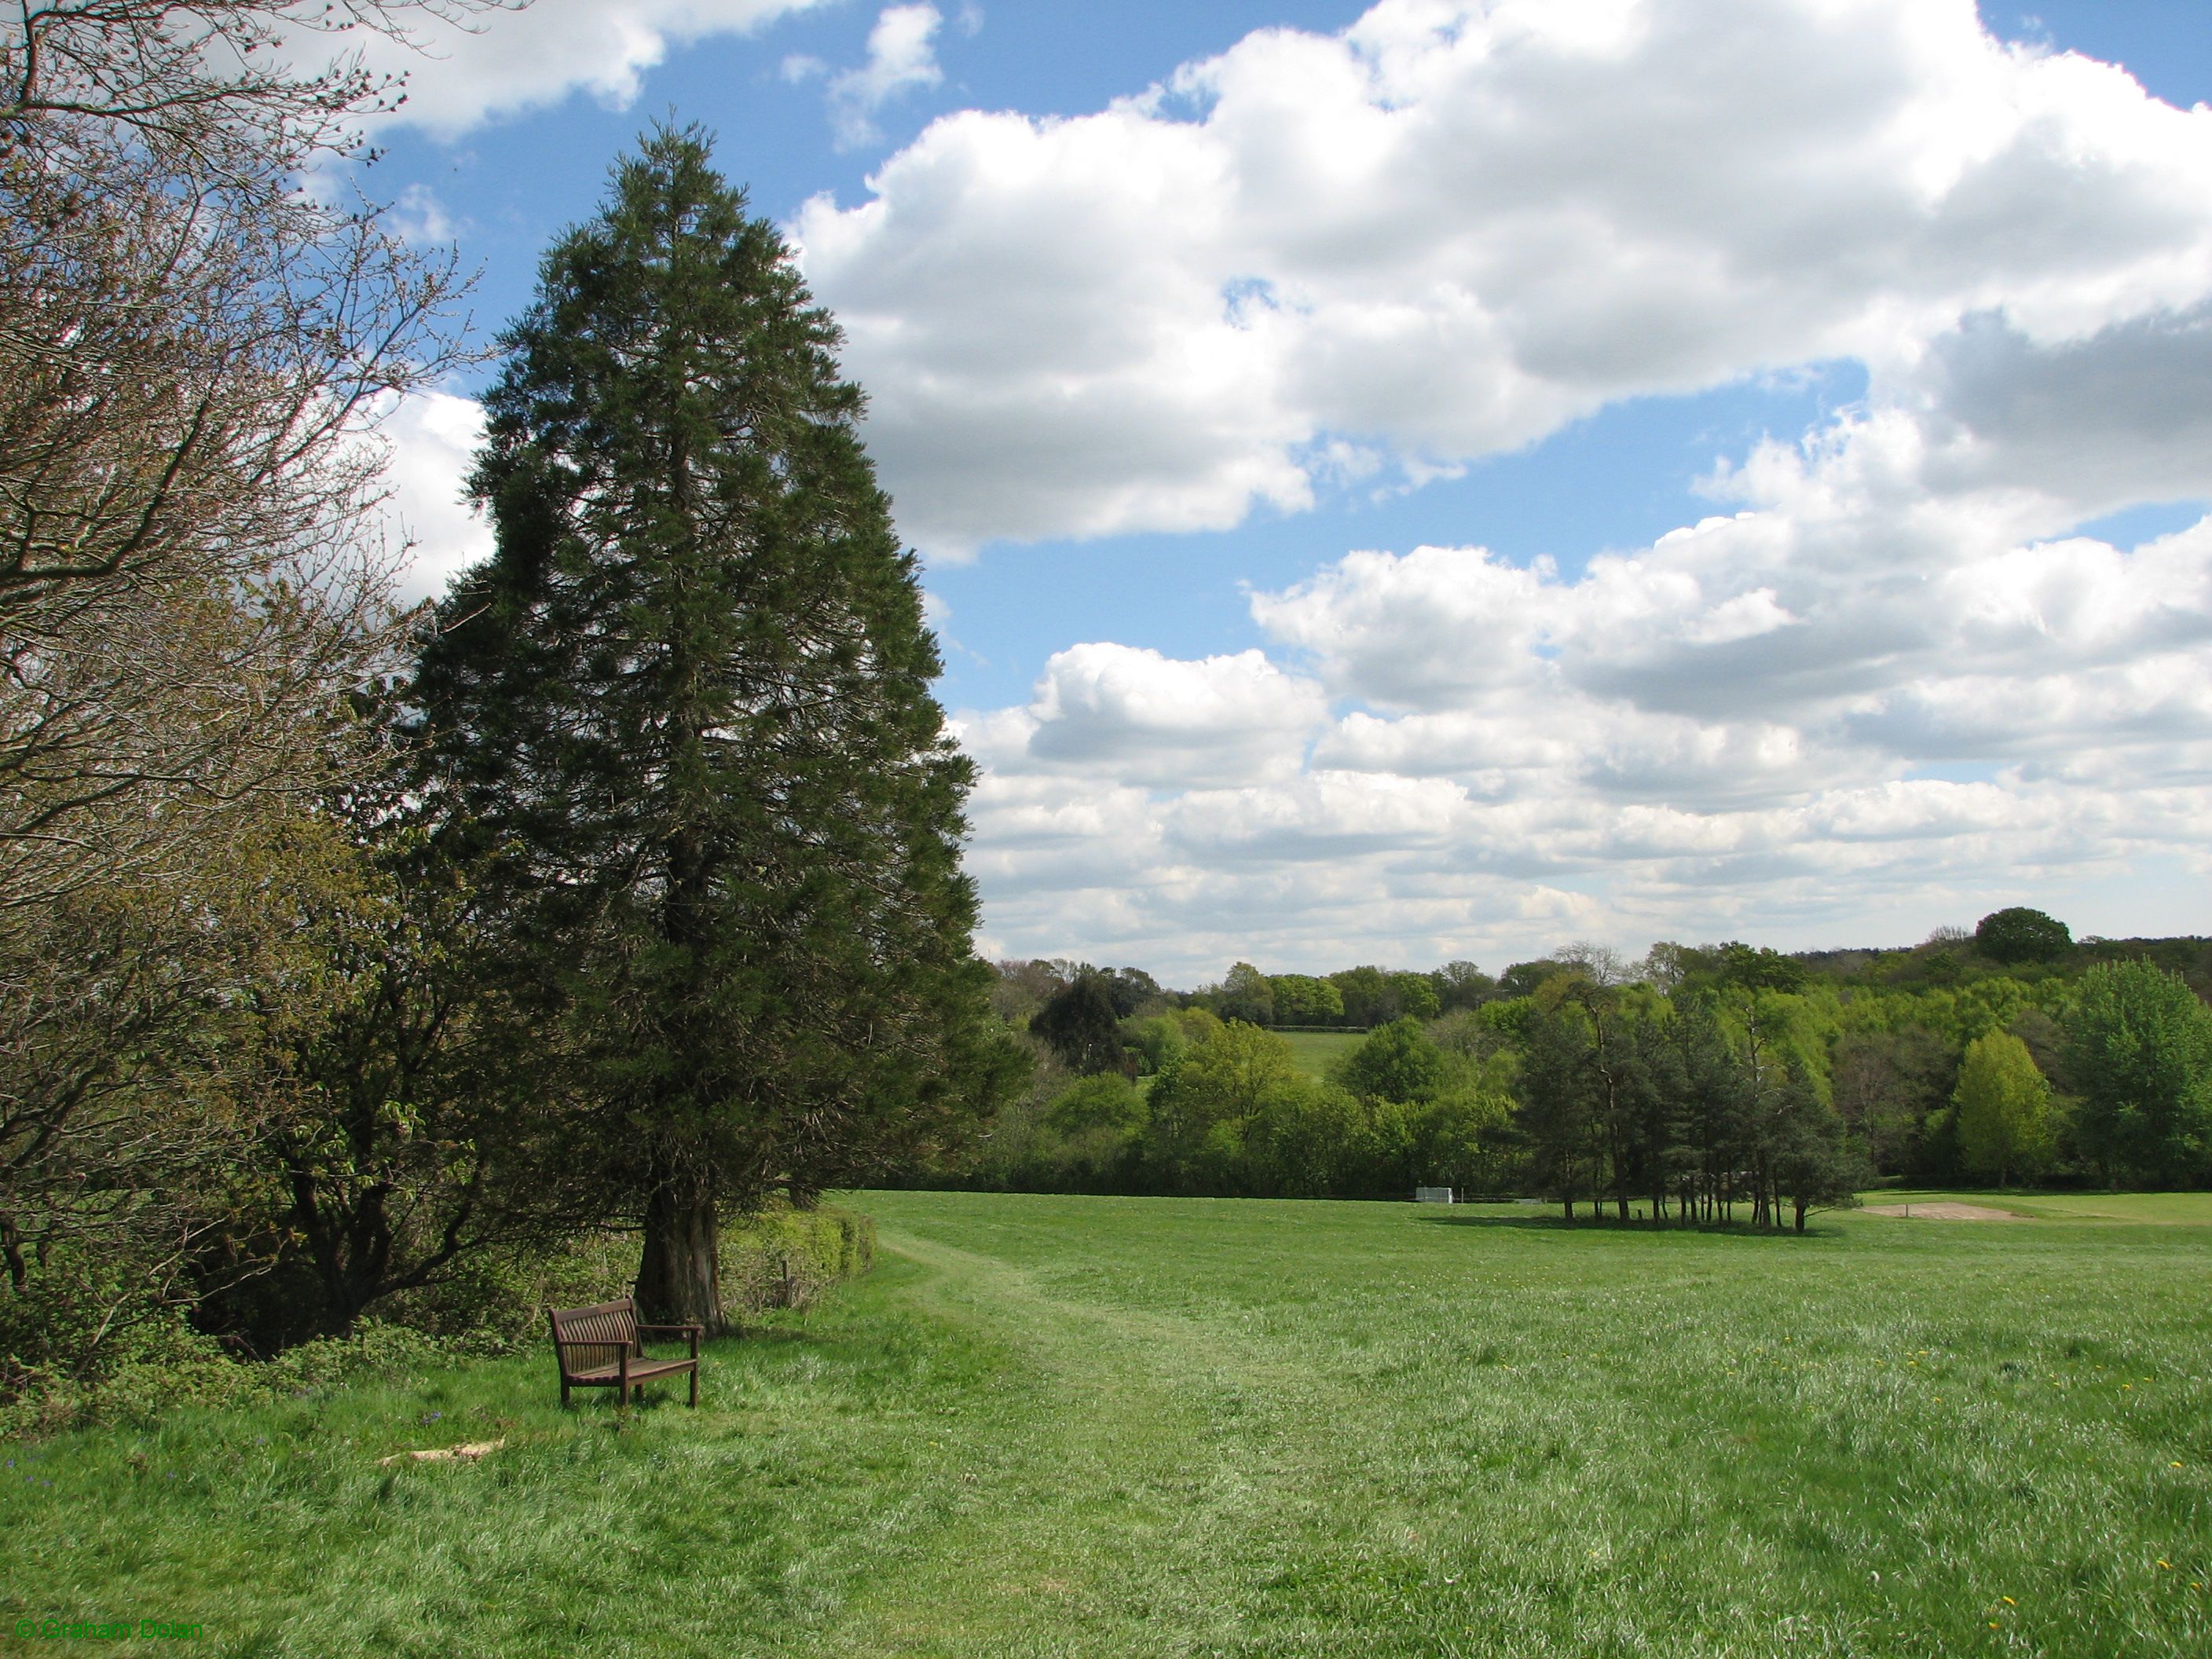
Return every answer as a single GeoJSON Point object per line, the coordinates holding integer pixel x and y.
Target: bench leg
{"type": "Point", "coordinates": [694, 1388]}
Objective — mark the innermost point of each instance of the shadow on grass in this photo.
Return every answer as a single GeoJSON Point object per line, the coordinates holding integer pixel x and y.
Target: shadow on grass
{"type": "Point", "coordinates": [1640, 1225]}
{"type": "Point", "coordinates": [753, 1335]}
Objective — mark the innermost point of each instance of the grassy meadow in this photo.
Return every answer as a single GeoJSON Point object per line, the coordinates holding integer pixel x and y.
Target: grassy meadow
{"type": "Point", "coordinates": [1107, 1426]}
{"type": "Point", "coordinates": [1313, 1050]}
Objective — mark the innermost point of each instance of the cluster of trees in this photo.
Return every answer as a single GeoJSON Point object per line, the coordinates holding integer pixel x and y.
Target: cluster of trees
{"type": "Point", "coordinates": [1700, 1084]}
{"type": "Point", "coordinates": [340, 944]}
{"type": "Point", "coordinates": [1224, 1108]}
{"type": "Point", "coordinates": [1352, 998]}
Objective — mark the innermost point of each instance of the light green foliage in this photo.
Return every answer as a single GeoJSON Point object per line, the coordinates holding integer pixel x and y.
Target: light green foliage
{"type": "Point", "coordinates": [1104, 1426]}
{"type": "Point", "coordinates": [1227, 1075]}
{"type": "Point", "coordinates": [1155, 1039]}
{"type": "Point", "coordinates": [1301, 1000]}
{"type": "Point", "coordinates": [1395, 1061]}
{"type": "Point", "coordinates": [1304, 1138]}
{"type": "Point", "coordinates": [1779, 1030]}
{"type": "Point", "coordinates": [1416, 996]}
{"type": "Point", "coordinates": [1202, 1104]}
{"type": "Point", "coordinates": [1197, 1024]}
{"type": "Point", "coordinates": [2004, 1122]}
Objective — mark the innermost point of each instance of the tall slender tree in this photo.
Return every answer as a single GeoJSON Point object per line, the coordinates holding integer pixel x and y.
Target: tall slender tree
{"type": "Point", "coordinates": [690, 692]}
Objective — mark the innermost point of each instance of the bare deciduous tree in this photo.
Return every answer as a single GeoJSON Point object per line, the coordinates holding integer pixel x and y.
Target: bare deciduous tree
{"type": "Point", "coordinates": [200, 322]}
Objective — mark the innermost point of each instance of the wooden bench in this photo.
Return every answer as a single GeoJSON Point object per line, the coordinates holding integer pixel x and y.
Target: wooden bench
{"type": "Point", "coordinates": [603, 1347]}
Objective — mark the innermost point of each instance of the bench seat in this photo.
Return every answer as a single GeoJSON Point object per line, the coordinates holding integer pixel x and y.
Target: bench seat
{"type": "Point", "coordinates": [640, 1371]}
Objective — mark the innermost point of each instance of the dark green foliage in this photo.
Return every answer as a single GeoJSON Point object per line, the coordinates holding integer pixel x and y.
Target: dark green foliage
{"type": "Point", "coordinates": [1522, 978]}
{"type": "Point", "coordinates": [1081, 1026]}
{"type": "Point", "coordinates": [1246, 994]}
{"type": "Point", "coordinates": [2021, 934]}
{"type": "Point", "coordinates": [1307, 1140]}
{"type": "Point", "coordinates": [1460, 984]}
{"type": "Point", "coordinates": [1815, 1164]}
{"type": "Point", "coordinates": [1365, 994]}
{"type": "Point", "coordinates": [1757, 969]}
{"type": "Point", "coordinates": [1888, 1084]}
{"type": "Point", "coordinates": [688, 699]}
{"type": "Point", "coordinates": [403, 1145]}
{"type": "Point", "coordinates": [1558, 1098]}
{"type": "Point", "coordinates": [1107, 1103]}
{"type": "Point", "coordinates": [1133, 991]}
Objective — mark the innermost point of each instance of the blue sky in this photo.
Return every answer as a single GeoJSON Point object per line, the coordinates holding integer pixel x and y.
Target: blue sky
{"type": "Point", "coordinates": [1447, 480]}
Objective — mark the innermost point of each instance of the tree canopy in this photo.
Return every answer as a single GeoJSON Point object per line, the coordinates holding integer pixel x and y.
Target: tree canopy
{"type": "Point", "coordinates": [2020, 935]}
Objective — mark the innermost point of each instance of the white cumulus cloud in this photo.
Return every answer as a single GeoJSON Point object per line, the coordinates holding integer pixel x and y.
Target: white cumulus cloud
{"type": "Point", "coordinates": [432, 439]}
{"type": "Point", "coordinates": [901, 56]}
{"type": "Point", "coordinates": [1451, 228]}
{"type": "Point", "coordinates": [503, 63]}
{"type": "Point", "coordinates": [1819, 719]}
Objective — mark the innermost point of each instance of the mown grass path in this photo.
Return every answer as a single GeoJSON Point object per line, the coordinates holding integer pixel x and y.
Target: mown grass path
{"type": "Point", "coordinates": [1098, 1427]}
{"type": "Point", "coordinates": [1122, 1509]}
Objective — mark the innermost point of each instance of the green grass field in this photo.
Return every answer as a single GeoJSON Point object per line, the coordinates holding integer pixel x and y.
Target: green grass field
{"type": "Point", "coordinates": [1101, 1426]}
{"type": "Point", "coordinates": [1313, 1050]}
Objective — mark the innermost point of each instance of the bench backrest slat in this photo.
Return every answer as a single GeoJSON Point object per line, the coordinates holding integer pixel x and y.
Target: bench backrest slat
{"type": "Point", "coordinates": [609, 1329]}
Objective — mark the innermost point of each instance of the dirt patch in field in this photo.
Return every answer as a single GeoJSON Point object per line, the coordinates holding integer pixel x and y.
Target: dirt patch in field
{"type": "Point", "coordinates": [1944, 1212]}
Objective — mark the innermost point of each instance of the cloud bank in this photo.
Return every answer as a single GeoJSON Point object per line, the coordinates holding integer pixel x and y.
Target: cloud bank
{"type": "Point", "coordinates": [1747, 728]}
{"type": "Point", "coordinates": [504, 63]}
{"type": "Point", "coordinates": [1886, 683]}
{"type": "Point", "coordinates": [1451, 229]}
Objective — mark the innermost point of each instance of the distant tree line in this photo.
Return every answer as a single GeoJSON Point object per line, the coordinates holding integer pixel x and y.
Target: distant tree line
{"type": "Point", "coordinates": [1699, 1085]}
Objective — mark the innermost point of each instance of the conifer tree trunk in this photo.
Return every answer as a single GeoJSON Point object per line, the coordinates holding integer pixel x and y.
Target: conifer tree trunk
{"type": "Point", "coordinates": [679, 1278]}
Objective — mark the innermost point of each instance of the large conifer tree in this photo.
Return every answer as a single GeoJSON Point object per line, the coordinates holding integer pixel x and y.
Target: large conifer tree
{"type": "Point", "coordinates": [690, 694]}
